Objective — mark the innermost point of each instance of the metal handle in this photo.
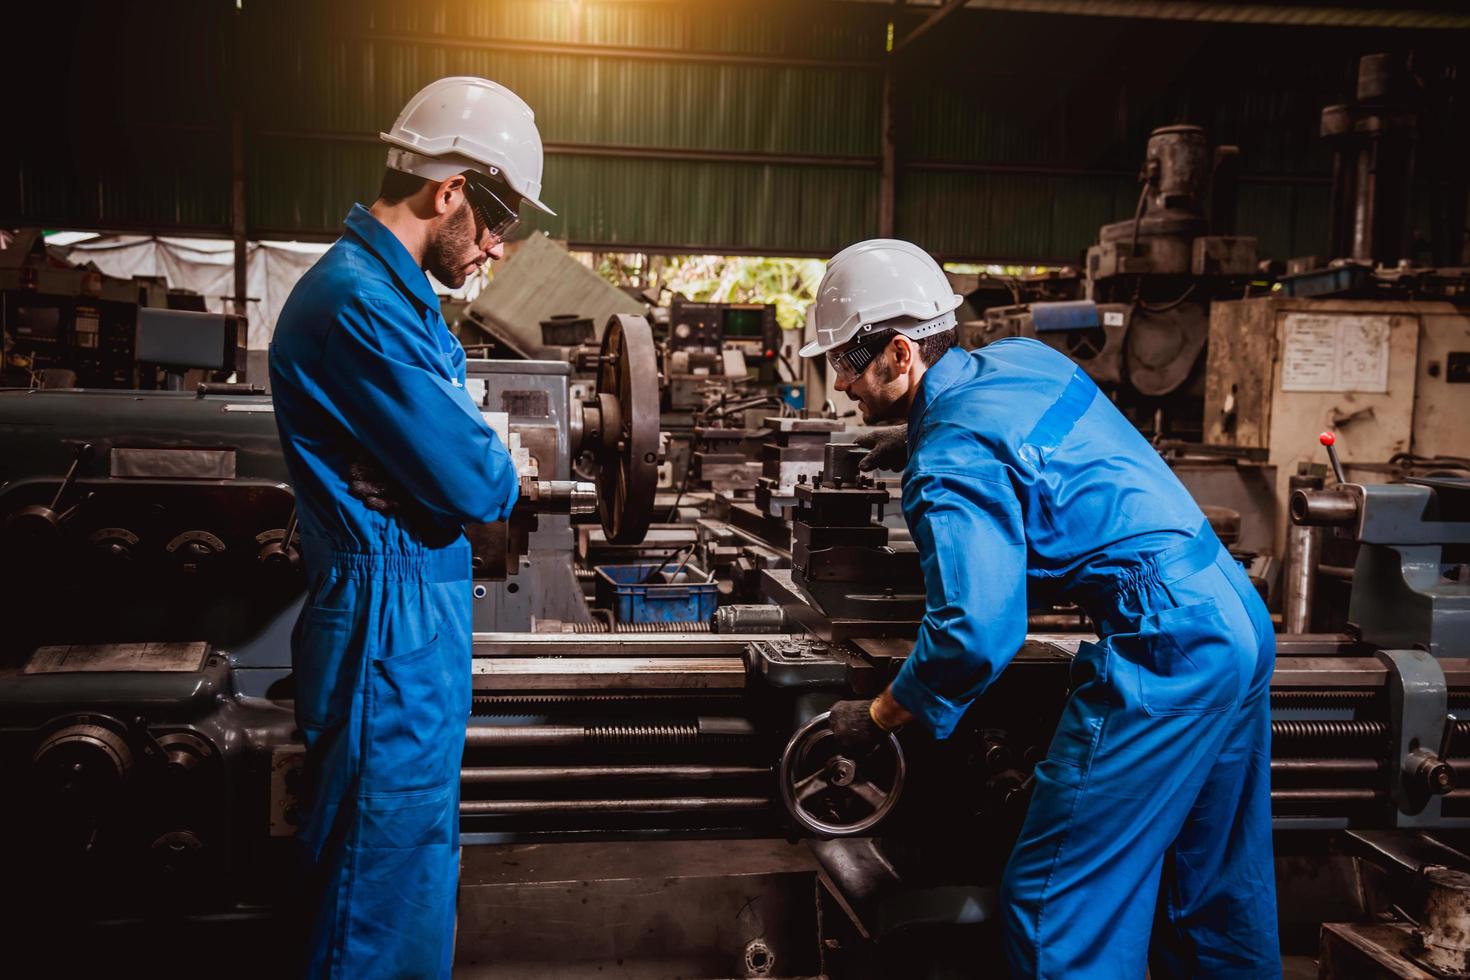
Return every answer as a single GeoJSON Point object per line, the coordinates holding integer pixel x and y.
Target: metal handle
{"type": "Point", "coordinates": [833, 795]}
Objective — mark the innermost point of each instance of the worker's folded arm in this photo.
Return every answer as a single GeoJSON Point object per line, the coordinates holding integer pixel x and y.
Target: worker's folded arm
{"type": "Point", "coordinates": [428, 434]}
{"type": "Point", "coordinates": [969, 531]}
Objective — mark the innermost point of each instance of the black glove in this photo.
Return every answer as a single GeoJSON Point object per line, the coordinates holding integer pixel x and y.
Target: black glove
{"type": "Point", "coordinates": [854, 727]}
{"type": "Point", "coordinates": [370, 483]}
{"type": "Point", "coordinates": [888, 445]}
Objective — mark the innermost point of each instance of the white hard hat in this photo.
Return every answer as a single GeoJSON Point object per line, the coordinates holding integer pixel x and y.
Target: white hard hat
{"type": "Point", "coordinates": [882, 283]}
{"type": "Point", "coordinates": [467, 123]}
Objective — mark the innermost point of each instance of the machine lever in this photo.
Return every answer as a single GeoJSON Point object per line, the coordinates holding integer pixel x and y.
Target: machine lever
{"type": "Point", "coordinates": [83, 452]}
{"type": "Point", "coordinates": [1329, 440]}
{"type": "Point", "coordinates": [36, 525]}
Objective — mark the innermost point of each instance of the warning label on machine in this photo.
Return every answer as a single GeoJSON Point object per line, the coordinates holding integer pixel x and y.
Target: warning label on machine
{"type": "Point", "coordinates": [1335, 352]}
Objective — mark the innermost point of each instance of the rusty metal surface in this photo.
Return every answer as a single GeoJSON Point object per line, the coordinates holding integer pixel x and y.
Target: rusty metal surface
{"type": "Point", "coordinates": [1442, 942]}
{"type": "Point", "coordinates": [651, 909]}
{"type": "Point", "coordinates": [1367, 951]}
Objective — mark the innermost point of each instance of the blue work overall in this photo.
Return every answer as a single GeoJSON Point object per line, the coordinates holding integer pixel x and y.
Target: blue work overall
{"type": "Point", "coordinates": [363, 369]}
{"type": "Point", "coordinates": [1148, 837]}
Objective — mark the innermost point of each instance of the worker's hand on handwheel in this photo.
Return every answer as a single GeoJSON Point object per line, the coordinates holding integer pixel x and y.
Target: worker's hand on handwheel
{"type": "Point", "coordinates": [853, 725]}
{"type": "Point", "coordinates": [888, 447]}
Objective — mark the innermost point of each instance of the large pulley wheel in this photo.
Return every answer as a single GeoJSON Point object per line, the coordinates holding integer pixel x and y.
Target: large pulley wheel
{"type": "Point", "coordinates": [833, 794]}
{"type": "Point", "coordinates": [626, 447]}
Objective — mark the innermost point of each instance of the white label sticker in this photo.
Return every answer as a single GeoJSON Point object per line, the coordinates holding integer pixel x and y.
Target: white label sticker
{"type": "Point", "coordinates": [1112, 318]}
{"type": "Point", "coordinates": [1324, 352]}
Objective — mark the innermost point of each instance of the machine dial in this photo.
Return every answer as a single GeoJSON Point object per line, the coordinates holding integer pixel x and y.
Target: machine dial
{"type": "Point", "coordinates": [114, 543]}
{"type": "Point", "coordinates": [83, 762]}
{"type": "Point", "coordinates": [194, 550]}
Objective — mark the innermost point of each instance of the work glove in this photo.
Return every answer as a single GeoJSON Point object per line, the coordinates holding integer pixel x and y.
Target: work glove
{"type": "Point", "coordinates": [888, 447]}
{"type": "Point", "coordinates": [853, 725]}
{"type": "Point", "coordinates": [370, 483]}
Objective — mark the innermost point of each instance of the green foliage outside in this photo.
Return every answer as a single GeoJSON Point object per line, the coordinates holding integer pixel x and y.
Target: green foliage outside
{"type": "Point", "coordinates": [791, 284]}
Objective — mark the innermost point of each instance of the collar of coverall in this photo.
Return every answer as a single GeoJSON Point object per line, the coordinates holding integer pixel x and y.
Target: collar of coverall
{"type": "Point", "coordinates": [390, 251]}
{"type": "Point", "coordinates": [937, 379]}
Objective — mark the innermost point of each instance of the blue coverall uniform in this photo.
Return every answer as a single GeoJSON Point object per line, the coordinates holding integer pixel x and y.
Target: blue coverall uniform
{"type": "Point", "coordinates": [1150, 815]}
{"type": "Point", "coordinates": [363, 368]}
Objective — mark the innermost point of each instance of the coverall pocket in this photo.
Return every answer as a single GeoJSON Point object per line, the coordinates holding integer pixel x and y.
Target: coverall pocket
{"type": "Point", "coordinates": [1076, 735]}
{"type": "Point", "coordinates": [1187, 660]}
{"type": "Point", "coordinates": [415, 737]}
{"type": "Point", "coordinates": [323, 638]}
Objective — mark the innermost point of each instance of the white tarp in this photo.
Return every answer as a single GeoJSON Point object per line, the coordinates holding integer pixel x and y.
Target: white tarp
{"type": "Point", "coordinates": [207, 266]}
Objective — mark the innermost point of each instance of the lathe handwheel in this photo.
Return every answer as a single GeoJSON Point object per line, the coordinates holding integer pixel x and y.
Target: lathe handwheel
{"type": "Point", "coordinates": [832, 794]}
{"type": "Point", "coordinates": [627, 451]}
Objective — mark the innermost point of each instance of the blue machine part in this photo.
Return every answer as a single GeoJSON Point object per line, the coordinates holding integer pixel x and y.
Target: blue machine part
{"type": "Point", "coordinates": [793, 395]}
{"type": "Point", "coordinates": [1056, 317]}
{"type": "Point", "coordinates": [622, 589]}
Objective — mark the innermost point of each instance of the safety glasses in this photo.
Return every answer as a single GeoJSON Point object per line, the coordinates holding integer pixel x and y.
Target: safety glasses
{"type": "Point", "coordinates": [491, 210]}
{"type": "Point", "coordinates": [851, 363]}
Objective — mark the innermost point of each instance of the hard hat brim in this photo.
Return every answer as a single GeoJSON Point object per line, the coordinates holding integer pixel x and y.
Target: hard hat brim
{"type": "Point", "coordinates": [428, 154]}
{"type": "Point", "coordinates": [812, 349]}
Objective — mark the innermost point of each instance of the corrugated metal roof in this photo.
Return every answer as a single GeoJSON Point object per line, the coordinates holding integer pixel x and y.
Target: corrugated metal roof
{"type": "Point", "coordinates": [358, 86]}
{"type": "Point", "coordinates": [1419, 16]}
{"type": "Point", "coordinates": [1044, 218]}
{"type": "Point", "coordinates": [637, 105]}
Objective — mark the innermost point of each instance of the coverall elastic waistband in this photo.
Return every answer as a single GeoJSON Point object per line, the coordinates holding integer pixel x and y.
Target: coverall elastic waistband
{"type": "Point", "coordinates": [451, 564]}
{"type": "Point", "coordinates": [1170, 565]}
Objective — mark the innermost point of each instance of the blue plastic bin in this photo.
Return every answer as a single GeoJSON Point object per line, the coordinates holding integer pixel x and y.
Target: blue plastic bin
{"type": "Point", "coordinates": [621, 588]}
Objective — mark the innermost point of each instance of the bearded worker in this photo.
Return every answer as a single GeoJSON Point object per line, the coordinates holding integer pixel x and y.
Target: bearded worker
{"type": "Point", "coordinates": [389, 458]}
{"type": "Point", "coordinates": [1148, 838]}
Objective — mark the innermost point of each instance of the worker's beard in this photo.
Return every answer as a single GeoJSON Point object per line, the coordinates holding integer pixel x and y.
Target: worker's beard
{"type": "Point", "coordinates": [452, 254]}
{"type": "Point", "coordinates": [881, 403]}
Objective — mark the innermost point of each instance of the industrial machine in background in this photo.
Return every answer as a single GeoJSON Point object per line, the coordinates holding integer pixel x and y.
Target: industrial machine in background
{"type": "Point", "coordinates": [65, 327]}
{"type": "Point", "coordinates": [1369, 345]}
{"type": "Point", "coordinates": [1140, 325]}
{"type": "Point", "coordinates": [1400, 140]}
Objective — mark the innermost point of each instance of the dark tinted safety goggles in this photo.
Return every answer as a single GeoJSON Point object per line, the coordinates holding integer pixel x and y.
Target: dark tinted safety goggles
{"type": "Point", "coordinates": [855, 360]}
{"type": "Point", "coordinates": [488, 203]}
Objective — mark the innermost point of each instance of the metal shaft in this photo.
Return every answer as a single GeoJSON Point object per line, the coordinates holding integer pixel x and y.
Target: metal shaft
{"type": "Point", "coordinates": [636, 733]}
{"type": "Point", "coordinates": [1328, 795]}
{"type": "Point", "coordinates": [1323, 507]}
{"type": "Point", "coordinates": [691, 804]}
{"type": "Point", "coordinates": [1303, 554]}
{"type": "Point", "coordinates": [578, 774]}
{"type": "Point", "coordinates": [1319, 767]}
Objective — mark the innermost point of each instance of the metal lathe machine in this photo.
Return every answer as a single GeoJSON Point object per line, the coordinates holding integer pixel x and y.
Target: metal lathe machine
{"type": "Point", "coordinates": [643, 802]}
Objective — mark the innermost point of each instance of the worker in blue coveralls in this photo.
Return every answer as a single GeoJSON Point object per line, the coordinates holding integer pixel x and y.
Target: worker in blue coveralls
{"type": "Point", "coordinates": [1148, 838]}
{"type": "Point", "coordinates": [389, 457]}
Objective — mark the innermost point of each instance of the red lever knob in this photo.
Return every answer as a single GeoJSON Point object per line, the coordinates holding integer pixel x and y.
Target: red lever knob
{"type": "Point", "coordinates": [1327, 439]}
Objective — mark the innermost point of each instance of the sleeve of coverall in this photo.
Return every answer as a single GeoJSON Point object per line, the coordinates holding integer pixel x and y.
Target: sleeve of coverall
{"type": "Point", "coordinates": [388, 385]}
{"type": "Point", "coordinates": [968, 529]}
